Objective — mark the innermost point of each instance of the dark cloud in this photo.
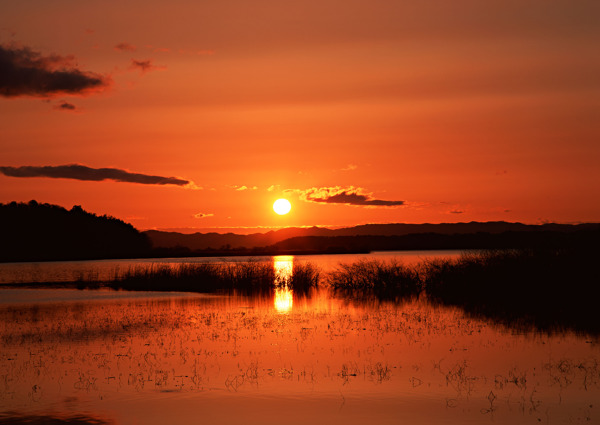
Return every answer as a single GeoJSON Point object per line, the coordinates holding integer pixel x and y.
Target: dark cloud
{"type": "Point", "coordinates": [125, 47]}
{"type": "Point", "coordinates": [456, 212]}
{"type": "Point", "coordinates": [81, 172]}
{"type": "Point", "coordinates": [348, 196]}
{"type": "Point", "coordinates": [24, 72]}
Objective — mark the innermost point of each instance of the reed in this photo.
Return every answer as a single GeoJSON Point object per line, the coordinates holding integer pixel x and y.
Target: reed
{"type": "Point", "coordinates": [384, 280]}
{"type": "Point", "coordinates": [543, 288]}
{"type": "Point", "coordinates": [245, 277]}
{"type": "Point", "coordinates": [548, 289]}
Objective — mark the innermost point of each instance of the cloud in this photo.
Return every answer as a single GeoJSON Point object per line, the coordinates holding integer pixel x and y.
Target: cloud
{"type": "Point", "coordinates": [242, 188]}
{"type": "Point", "coordinates": [348, 196]}
{"type": "Point", "coordinates": [24, 72]}
{"type": "Point", "coordinates": [65, 106]}
{"type": "Point", "coordinates": [145, 65]}
{"type": "Point", "coordinates": [456, 212]}
{"type": "Point", "coordinates": [350, 167]}
{"type": "Point", "coordinates": [125, 47]}
{"type": "Point", "coordinates": [203, 215]}
{"type": "Point", "coordinates": [81, 172]}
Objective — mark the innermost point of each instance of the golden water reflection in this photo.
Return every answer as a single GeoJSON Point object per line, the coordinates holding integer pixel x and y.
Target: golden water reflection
{"type": "Point", "coordinates": [284, 297]}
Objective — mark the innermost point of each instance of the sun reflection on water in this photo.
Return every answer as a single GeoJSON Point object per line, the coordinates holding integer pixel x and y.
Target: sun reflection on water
{"type": "Point", "coordinates": [284, 299]}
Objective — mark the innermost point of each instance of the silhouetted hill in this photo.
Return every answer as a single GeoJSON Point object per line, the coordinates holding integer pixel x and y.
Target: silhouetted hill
{"type": "Point", "coordinates": [42, 232]}
{"type": "Point", "coordinates": [583, 237]}
{"type": "Point", "coordinates": [204, 241]}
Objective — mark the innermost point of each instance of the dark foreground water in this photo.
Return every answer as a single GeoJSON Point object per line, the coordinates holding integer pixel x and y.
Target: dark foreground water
{"type": "Point", "coordinates": [114, 357]}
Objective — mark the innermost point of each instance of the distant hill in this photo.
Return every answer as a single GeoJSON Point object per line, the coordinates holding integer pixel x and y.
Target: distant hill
{"type": "Point", "coordinates": [275, 239]}
{"type": "Point", "coordinates": [41, 232]}
{"type": "Point", "coordinates": [202, 241]}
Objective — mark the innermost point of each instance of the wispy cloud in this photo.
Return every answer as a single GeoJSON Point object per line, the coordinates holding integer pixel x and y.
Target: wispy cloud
{"type": "Point", "coordinates": [125, 47]}
{"type": "Point", "coordinates": [243, 187]}
{"type": "Point", "coordinates": [350, 167]}
{"type": "Point", "coordinates": [81, 172]}
{"type": "Point", "coordinates": [24, 72]}
{"type": "Point", "coordinates": [145, 65]}
{"type": "Point", "coordinates": [203, 215]}
{"type": "Point", "coordinates": [65, 106]}
{"type": "Point", "coordinates": [349, 196]}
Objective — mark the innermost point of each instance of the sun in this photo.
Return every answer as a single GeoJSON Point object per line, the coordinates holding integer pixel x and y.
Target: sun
{"type": "Point", "coordinates": [282, 206]}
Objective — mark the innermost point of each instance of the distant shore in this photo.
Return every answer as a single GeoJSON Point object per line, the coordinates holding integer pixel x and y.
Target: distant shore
{"type": "Point", "coordinates": [168, 253]}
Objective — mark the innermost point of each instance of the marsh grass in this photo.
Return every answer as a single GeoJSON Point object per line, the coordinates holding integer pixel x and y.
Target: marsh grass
{"type": "Point", "coordinates": [244, 277]}
{"type": "Point", "coordinates": [304, 278]}
{"type": "Point", "coordinates": [384, 280]}
{"type": "Point", "coordinates": [543, 288]}
{"type": "Point", "coordinates": [549, 289]}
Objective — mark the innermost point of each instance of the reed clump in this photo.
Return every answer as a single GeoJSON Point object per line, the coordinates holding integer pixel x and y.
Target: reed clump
{"type": "Point", "coordinates": [304, 278]}
{"type": "Point", "coordinates": [385, 280]}
{"type": "Point", "coordinates": [543, 288]}
{"type": "Point", "coordinates": [244, 277]}
{"type": "Point", "coordinates": [548, 289]}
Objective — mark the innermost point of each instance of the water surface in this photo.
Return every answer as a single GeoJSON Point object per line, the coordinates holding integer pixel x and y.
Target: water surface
{"type": "Point", "coordinates": [103, 270]}
{"type": "Point", "coordinates": [154, 358]}
{"type": "Point", "coordinates": [225, 359]}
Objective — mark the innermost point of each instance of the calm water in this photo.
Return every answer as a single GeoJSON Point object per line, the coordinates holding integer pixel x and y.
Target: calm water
{"type": "Point", "coordinates": [144, 358]}
{"type": "Point", "coordinates": [61, 271]}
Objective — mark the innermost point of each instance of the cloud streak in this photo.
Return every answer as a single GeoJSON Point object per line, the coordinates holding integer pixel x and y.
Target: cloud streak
{"type": "Point", "coordinates": [24, 72]}
{"type": "Point", "coordinates": [125, 47]}
{"type": "Point", "coordinates": [203, 215]}
{"type": "Point", "coordinates": [145, 65]}
{"type": "Point", "coordinates": [347, 196]}
{"type": "Point", "coordinates": [81, 172]}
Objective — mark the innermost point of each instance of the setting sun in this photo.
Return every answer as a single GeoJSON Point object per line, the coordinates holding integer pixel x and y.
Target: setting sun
{"type": "Point", "coordinates": [282, 206]}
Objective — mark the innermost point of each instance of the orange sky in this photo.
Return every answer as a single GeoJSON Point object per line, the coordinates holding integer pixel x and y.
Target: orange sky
{"type": "Point", "coordinates": [462, 110]}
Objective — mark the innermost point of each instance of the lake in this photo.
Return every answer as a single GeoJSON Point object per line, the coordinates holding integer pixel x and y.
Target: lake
{"type": "Point", "coordinates": [115, 357]}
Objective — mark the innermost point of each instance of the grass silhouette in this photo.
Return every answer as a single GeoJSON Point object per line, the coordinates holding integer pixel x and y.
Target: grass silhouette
{"type": "Point", "coordinates": [544, 288]}
{"type": "Point", "coordinates": [245, 277]}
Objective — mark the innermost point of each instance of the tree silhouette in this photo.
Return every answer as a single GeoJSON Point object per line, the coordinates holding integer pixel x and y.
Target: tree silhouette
{"type": "Point", "coordinates": [40, 232]}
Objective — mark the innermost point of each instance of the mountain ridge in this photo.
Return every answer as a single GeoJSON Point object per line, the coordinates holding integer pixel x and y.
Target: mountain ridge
{"type": "Point", "coordinates": [213, 240]}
